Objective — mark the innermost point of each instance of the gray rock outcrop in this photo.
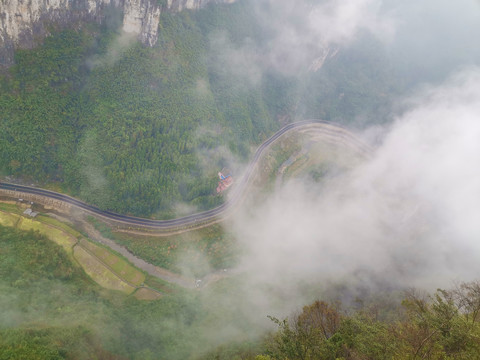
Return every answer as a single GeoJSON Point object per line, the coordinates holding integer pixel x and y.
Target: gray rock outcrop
{"type": "Point", "coordinates": [24, 22]}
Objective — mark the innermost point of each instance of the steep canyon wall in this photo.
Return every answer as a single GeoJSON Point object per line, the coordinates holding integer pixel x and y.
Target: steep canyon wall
{"type": "Point", "coordinates": [24, 22]}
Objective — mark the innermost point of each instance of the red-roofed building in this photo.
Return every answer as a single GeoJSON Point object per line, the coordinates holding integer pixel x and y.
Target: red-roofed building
{"type": "Point", "coordinates": [224, 183]}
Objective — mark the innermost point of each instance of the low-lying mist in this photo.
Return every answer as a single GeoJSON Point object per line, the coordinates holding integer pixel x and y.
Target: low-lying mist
{"type": "Point", "coordinates": [408, 215]}
{"type": "Point", "coordinates": [405, 217]}
{"type": "Point", "coordinates": [423, 41]}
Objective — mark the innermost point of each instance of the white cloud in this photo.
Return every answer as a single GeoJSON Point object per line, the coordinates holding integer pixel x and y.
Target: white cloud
{"type": "Point", "coordinates": [409, 216]}
{"type": "Point", "coordinates": [299, 33]}
{"type": "Point", "coordinates": [304, 31]}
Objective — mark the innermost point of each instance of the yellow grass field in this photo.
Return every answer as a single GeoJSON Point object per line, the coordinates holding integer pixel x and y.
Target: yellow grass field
{"type": "Point", "coordinates": [7, 219]}
{"type": "Point", "coordinates": [99, 272]}
{"type": "Point", "coordinates": [50, 221]}
{"type": "Point", "coordinates": [120, 266]}
{"type": "Point", "coordinates": [58, 236]}
{"type": "Point", "coordinates": [104, 267]}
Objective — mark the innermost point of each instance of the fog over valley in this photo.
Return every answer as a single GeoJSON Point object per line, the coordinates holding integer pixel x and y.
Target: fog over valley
{"type": "Point", "coordinates": [407, 215]}
{"type": "Point", "coordinates": [249, 179]}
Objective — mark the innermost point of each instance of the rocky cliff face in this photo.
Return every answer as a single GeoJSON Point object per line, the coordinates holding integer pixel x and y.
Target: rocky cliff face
{"type": "Point", "coordinates": [141, 17]}
{"type": "Point", "coordinates": [23, 22]}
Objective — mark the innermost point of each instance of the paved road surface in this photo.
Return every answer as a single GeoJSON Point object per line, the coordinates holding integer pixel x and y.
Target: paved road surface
{"type": "Point", "coordinates": [333, 132]}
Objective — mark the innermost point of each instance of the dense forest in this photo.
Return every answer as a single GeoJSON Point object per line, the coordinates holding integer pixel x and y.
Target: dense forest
{"type": "Point", "coordinates": [140, 130]}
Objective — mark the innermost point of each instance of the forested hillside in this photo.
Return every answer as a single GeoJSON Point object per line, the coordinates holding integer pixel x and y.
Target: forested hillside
{"type": "Point", "coordinates": [51, 310]}
{"type": "Point", "coordinates": [140, 130]}
{"type": "Point", "coordinates": [439, 326]}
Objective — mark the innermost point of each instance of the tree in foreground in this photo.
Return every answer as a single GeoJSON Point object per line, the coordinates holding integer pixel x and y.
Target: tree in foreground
{"type": "Point", "coordinates": [443, 326]}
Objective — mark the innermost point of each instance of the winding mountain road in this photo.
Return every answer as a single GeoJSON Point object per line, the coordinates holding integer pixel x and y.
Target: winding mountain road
{"type": "Point", "coordinates": [334, 133]}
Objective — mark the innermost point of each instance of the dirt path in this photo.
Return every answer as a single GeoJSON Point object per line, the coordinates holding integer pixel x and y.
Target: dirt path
{"type": "Point", "coordinates": [153, 270]}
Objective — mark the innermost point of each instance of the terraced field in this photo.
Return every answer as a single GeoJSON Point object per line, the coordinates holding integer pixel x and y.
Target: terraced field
{"type": "Point", "coordinates": [106, 268]}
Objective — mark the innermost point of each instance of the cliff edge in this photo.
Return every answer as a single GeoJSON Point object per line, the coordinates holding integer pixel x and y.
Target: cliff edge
{"type": "Point", "coordinates": [24, 22]}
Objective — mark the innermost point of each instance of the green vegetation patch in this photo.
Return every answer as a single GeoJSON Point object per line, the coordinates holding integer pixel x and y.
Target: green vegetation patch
{"type": "Point", "coordinates": [106, 268]}
{"type": "Point", "coordinates": [318, 160]}
{"type": "Point", "coordinates": [51, 344]}
{"type": "Point", "coordinates": [7, 219]}
{"type": "Point", "coordinates": [10, 207]}
{"type": "Point", "coordinates": [28, 256]}
{"type": "Point", "coordinates": [99, 272]}
{"type": "Point", "coordinates": [60, 237]}
{"type": "Point", "coordinates": [120, 266]}
{"type": "Point", "coordinates": [160, 285]}
{"type": "Point", "coordinates": [51, 221]}
{"type": "Point", "coordinates": [194, 253]}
